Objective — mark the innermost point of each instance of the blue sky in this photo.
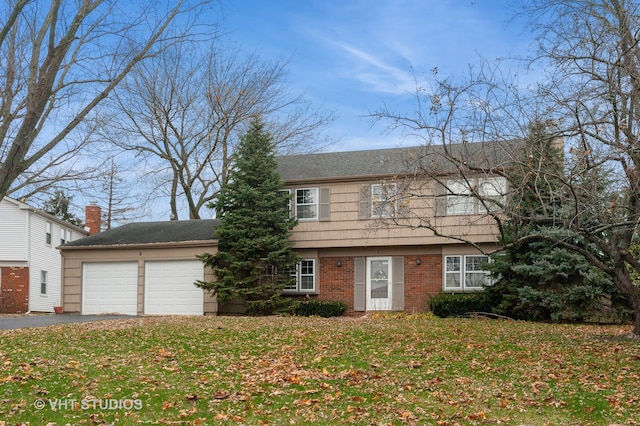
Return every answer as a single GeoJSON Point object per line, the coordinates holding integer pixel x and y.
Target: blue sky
{"type": "Point", "coordinates": [351, 56]}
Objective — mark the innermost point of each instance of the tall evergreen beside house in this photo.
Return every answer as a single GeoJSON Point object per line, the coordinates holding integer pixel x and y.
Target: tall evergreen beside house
{"type": "Point", "coordinates": [537, 279]}
{"type": "Point", "coordinates": [255, 255]}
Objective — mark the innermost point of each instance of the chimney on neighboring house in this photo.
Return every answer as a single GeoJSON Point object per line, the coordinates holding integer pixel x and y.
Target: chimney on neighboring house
{"type": "Point", "coordinates": [93, 219]}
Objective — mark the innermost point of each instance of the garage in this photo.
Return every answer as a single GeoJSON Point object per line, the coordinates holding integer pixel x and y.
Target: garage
{"type": "Point", "coordinates": [169, 289]}
{"type": "Point", "coordinates": [110, 287]}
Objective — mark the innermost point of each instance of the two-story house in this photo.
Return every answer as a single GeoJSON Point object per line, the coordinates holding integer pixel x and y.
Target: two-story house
{"type": "Point", "coordinates": [30, 265]}
{"type": "Point", "coordinates": [359, 235]}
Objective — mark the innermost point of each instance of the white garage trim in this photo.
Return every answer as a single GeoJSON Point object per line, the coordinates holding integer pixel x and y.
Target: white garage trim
{"type": "Point", "coordinates": [169, 288]}
{"type": "Point", "coordinates": [110, 287]}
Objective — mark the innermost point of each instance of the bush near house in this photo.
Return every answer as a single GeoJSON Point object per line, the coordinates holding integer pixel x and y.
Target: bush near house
{"type": "Point", "coordinates": [320, 308]}
{"type": "Point", "coordinates": [458, 304]}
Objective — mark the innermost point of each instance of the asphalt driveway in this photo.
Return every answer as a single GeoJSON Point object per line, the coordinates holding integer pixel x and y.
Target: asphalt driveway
{"type": "Point", "coordinates": [43, 320]}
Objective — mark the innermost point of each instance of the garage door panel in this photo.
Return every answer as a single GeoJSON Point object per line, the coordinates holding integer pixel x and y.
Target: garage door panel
{"type": "Point", "coordinates": [169, 288]}
{"type": "Point", "coordinates": [110, 288]}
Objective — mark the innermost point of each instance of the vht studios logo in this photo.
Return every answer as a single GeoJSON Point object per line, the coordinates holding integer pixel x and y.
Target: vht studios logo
{"type": "Point", "coordinates": [88, 404]}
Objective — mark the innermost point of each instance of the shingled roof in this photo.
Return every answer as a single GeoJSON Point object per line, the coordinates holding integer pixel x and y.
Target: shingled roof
{"type": "Point", "coordinates": [387, 162]}
{"type": "Point", "coordinates": [175, 231]}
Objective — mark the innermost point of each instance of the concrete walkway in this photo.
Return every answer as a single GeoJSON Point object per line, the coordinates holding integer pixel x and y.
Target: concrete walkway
{"type": "Point", "coordinates": [43, 320]}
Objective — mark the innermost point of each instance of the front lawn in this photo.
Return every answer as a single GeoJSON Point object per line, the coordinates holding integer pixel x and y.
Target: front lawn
{"type": "Point", "coordinates": [375, 370]}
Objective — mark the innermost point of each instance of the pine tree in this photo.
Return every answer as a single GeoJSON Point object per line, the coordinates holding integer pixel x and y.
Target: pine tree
{"type": "Point", "coordinates": [539, 280]}
{"type": "Point", "coordinates": [255, 255]}
{"type": "Point", "coordinates": [58, 206]}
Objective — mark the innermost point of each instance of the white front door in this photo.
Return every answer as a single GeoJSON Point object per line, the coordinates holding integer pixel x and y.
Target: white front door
{"type": "Point", "coordinates": [379, 283]}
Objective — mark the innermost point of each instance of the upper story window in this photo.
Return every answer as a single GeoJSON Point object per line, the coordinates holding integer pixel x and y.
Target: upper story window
{"type": "Point", "coordinates": [384, 200]}
{"type": "Point", "coordinates": [47, 228]}
{"type": "Point", "coordinates": [65, 235]}
{"type": "Point", "coordinates": [466, 273]}
{"type": "Point", "coordinates": [471, 196]}
{"type": "Point", "coordinates": [307, 204]}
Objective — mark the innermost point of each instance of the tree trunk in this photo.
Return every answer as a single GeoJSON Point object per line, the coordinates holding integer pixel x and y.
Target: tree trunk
{"type": "Point", "coordinates": [632, 292]}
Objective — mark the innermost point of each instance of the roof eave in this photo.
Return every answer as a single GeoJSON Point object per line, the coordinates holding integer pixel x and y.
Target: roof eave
{"type": "Point", "coordinates": [170, 244]}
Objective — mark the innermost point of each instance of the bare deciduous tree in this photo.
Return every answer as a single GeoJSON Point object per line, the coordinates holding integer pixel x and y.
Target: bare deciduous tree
{"type": "Point", "coordinates": [184, 111]}
{"type": "Point", "coordinates": [60, 59]}
{"type": "Point", "coordinates": [589, 96]}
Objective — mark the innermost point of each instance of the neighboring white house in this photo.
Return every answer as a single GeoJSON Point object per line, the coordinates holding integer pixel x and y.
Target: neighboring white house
{"type": "Point", "coordinates": [30, 264]}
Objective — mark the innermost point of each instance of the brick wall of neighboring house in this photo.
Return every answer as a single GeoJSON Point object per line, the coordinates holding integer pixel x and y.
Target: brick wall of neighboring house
{"type": "Point", "coordinates": [14, 290]}
{"type": "Point", "coordinates": [420, 281]}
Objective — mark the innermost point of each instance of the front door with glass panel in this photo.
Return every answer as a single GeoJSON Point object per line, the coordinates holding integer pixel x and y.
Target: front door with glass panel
{"type": "Point", "coordinates": [378, 283]}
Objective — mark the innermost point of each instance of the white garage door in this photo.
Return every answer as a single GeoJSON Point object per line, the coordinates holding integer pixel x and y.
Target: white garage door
{"type": "Point", "coordinates": [169, 289]}
{"type": "Point", "coordinates": [110, 288]}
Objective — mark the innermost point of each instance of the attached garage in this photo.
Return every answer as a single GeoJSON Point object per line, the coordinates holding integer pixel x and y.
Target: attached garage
{"type": "Point", "coordinates": [110, 287]}
{"type": "Point", "coordinates": [169, 288]}
{"type": "Point", "coordinates": [140, 268]}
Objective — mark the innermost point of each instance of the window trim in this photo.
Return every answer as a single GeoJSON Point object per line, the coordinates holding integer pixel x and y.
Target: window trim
{"type": "Point", "coordinates": [388, 209]}
{"type": "Point", "coordinates": [299, 275]}
{"type": "Point", "coordinates": [463, 272]}
{"type": "Point", "coordinates": [43, 282]}
{"type": "Point", "coordinates": [461, 189]}
{"type": "Point", "coordinates": [316, 203]}
{"type": "Point", "coordinates": [48, 229]}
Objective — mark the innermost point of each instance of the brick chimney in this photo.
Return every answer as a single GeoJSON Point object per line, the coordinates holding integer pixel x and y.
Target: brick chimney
{"type": "Point", "coordinates": [93, 219]}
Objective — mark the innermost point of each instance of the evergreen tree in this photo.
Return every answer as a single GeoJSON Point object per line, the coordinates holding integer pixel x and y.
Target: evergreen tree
{"type": "Point", "coordinates": [255, 254]}
{"type": "Point", "coordinates": [58, 206]}
{"type": "Point", "coordinates": [537, 279]}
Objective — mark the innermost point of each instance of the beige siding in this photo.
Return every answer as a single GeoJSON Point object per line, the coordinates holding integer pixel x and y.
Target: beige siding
{"type": "Point", "coordinates": [346, 229]}
{"type": "Point", "coordinates": [72, 260]}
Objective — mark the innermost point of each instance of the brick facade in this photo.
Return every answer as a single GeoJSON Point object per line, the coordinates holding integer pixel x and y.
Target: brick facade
{"type": "Point", "coordinates": [14, 290]}
{"type": "Point", "coordinates": [336, 280]}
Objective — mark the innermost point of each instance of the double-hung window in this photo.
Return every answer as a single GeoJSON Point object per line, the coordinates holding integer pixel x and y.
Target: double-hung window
{"type": "Point", "coordinates": [307, 204]}
{"type": "Point", "coordinates": [459, 200]}
{"type": "Point", "coordinates": [384, 200]}
{"type": "Point", "coordinates": [305, 277]}
{"type": "Point", "coordinates": [43, 282]}
{"type": "Point", "coordinates": [474, 196]}
{"type": "Point", "coordinates": [466, 273]}
{"type": "Point", "coordinates": [48, 231]}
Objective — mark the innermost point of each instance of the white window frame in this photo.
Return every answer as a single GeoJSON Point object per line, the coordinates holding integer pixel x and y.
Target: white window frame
{"type": "Point", "coordinates": [460, 199]}
{"type": "Point", "coordinates": [384, 200]}
{"type": "Point", "coordinates": [288, 191]}
{"type": "Point", "coordinates": [62, 236]}
{"type": "Point", "coordinates": [492, 191]}
{"type": "Point", "coordinates": [461, 269]}
{"type": "Point", "coordinates": [315, 205]}
{"type": "Point", "coordinates": [302, 271]}
{"type": "Point", "coordinates": [43, 282]}
{"type": "Point", "coordinates": [48, 228]}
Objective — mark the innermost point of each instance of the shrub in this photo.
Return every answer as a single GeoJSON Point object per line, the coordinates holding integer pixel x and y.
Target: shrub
{"type": "Point", "coordinates": [274, 305]}
{"type": "Point", "coordinates": [321, 308]}
{"type": "Point", "coordinates": [456, 304]}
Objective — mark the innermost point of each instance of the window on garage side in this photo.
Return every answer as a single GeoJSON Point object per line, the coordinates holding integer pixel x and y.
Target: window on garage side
{"type": "Point", "coordinates": [466, 273]}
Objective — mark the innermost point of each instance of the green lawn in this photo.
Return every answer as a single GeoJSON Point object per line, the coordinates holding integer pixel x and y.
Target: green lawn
{"type": "Point", "coordinates": [376, 370]}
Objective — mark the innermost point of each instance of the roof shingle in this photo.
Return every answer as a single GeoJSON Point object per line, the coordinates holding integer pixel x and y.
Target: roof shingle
{"type": "Point", "coordinates": [151, 232]}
